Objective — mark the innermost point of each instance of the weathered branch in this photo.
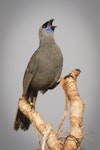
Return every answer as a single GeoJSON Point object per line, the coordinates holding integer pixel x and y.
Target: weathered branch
{"type": "Point", "coordinates": [74, 138]}
{"type": "Point", "coordinates": [52, 142]}
{"type": "Point", "coordinates": [63, 116]}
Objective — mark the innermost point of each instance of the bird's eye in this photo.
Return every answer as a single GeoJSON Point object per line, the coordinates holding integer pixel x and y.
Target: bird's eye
{"type": "Point", "coordinates": [48, 29]}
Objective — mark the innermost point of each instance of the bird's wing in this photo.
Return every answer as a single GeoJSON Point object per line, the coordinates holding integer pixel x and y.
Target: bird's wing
{"type": "Point", "coordinates": [26, 81]}
{"type": "Point", "coordinates": [30, 71]}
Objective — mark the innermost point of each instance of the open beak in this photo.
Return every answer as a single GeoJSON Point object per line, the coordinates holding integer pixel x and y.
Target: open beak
{"type": "Point", "coordinates": [49, 23]}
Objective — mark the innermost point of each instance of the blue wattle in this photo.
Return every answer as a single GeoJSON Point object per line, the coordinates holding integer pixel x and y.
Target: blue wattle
{"type": "Point", "coordinates": [48, 30]}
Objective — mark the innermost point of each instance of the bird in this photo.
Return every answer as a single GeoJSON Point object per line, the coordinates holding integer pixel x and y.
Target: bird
{"type": "Point", "coordinates": [42, 72]}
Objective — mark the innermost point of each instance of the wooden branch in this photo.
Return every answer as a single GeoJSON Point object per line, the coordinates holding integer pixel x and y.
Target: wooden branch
{"type": "Point", "coordinates": [42, 127]}
{"type": "Point", "coordinates": [75, 136]}
{"type": "Point", "coordinates": [63, 116]}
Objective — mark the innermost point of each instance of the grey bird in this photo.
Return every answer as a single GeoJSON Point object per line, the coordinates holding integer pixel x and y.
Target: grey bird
{"type": "Point", "coordinates": [43, 70]}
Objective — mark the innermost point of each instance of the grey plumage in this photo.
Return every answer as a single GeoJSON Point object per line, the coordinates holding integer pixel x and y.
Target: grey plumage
{"type": "Point", "coordinates": [43, 70]}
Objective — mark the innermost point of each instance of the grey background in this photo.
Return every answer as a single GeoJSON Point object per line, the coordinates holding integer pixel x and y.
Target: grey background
{"type": "Point", "coordinates": [78, 35]}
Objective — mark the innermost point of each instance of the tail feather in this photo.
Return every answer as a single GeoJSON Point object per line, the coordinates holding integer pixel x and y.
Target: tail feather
{"type": "Point", "coordinates": [21, 121]}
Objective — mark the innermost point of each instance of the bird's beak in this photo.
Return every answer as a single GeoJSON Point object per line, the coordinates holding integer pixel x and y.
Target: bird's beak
{"type": "Point", "coordinates": [49, 23]}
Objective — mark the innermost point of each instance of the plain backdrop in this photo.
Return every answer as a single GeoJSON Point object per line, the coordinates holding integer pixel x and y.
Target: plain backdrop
{"type": "Point", "coordinates": [78, 36]}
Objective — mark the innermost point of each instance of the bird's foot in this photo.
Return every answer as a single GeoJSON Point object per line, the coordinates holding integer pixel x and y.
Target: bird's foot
{"type": "Point", "coordinates": [32, 105]}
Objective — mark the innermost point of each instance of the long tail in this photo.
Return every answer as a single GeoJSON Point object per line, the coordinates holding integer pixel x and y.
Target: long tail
{"type": "Point", "coordinates": [21, 121]}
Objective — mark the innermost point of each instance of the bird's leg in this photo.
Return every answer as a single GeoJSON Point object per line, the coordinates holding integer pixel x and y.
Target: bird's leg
{"type": "Point", "coordinates": [33, 102]}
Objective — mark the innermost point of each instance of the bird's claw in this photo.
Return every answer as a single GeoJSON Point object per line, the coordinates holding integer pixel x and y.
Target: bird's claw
{"type": "Point", "coordinates": [32, 105]}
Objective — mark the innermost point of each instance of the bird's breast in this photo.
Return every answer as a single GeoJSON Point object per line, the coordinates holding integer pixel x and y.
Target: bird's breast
{"type": "Point", "coordinates": [48, 70]}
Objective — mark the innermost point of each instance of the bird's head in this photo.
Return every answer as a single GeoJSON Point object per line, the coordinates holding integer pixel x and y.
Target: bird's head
{"type": "Point", "coordinates": [47, 29]}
